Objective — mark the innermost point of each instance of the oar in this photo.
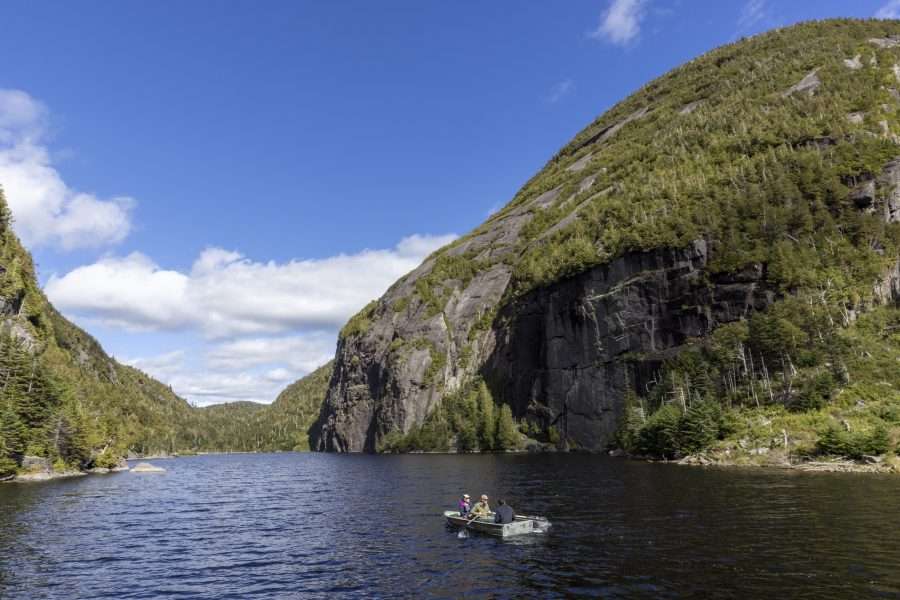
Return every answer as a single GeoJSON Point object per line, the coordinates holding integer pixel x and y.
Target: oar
{"type": "Point", "coordinates": [462, 532]}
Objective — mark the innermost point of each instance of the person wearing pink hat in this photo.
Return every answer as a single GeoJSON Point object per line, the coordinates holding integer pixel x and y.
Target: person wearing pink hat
{"type": "Point", "coordinates": [465, 505]}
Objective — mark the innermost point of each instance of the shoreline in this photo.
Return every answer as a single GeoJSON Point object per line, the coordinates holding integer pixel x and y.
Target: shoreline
{"type": "Point", "coordinates": [50, 475]}
{"type": "Point", "coordinates": [881, 465]}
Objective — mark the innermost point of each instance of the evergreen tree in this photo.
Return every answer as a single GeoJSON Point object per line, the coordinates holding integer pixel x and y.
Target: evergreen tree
{"type": "Point", "coordinates": [487, 421]}
{"type": "Point", "coordinates": [507, 434]}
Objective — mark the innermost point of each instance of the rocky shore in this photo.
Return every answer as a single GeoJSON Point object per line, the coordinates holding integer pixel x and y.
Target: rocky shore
{"type": "Point", "coordinates": [35, 468]}
{"type": "Point", "coordinates": [781, 460]}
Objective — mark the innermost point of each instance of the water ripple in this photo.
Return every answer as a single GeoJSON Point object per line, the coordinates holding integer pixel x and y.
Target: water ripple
{"type": "Point", "coordinates": [319, 526]}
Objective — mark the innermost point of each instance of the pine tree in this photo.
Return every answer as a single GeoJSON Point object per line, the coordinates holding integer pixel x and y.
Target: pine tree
{"type": "Point", "coordinates": [13, 433]}
{"type": "Point", "coordinates": [507, 435]}
{"type": "Point", "coordinates": [487, 422]}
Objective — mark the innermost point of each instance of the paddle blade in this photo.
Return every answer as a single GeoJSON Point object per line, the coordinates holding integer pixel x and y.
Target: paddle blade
{"type": "Point", "coordinates": [463, 534]}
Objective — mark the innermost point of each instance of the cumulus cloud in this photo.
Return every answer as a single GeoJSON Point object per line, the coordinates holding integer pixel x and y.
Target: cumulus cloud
{"type": "Point", "coordinates": [621, 23]}
{"type": "Point", "coordinates": [162, 365]}
{"type": "Point", "coordinates": [302, 353]}
{"type": "Point", "coordinates": [890, 10]}
{"type": "Point", "coordinates": [255, 369]}
{"type": "Point", "coordinates": [130, 292]}
{"type": "Point", "coordinates": [45, 209]}
{"type": "Point", "coordinates": [225, 294]}
{"type": "Point", "coordinates": [203, 388]}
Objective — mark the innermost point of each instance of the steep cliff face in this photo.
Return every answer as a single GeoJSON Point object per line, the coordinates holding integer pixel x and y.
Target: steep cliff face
{"type": "Point", "coordinates": [566, 354]}
{"type": "Point", "coordinates": [761, 171]}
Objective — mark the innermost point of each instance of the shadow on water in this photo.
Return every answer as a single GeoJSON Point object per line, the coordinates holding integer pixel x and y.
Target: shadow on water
{"type": "Point", "coordinates": [274, 526]}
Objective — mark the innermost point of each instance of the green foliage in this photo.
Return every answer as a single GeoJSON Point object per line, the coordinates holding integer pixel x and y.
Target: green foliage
{"type": "Point", "coordinates": [835, 440]}
{"type": "Point", "coordinates": [435, 287]}
{"type": "Point", "coordinates": [360, 323]}
{"type": "Point", "coordinates": [106, 460]}
{"type": "Point", "coordinates": [468, 415]}
{"type": "Point", "coordinates": [507, 433]}
{"type": "Point", "coordinates": [699, 427]}
{"type": "Point", "coordinates": [7, 466]}
{"type": "Point", "coordinates": [553, 435]}
{"type": "Point", "coordinates": [633, 420]}
{"type": "Point", "coordinates": [400, 304]}
{"type": "Point", "coordinates": [279, 427]}
{"type": "Point", "coordinates": [488, 426]}
{"type": "Point", "coordinates": [660, 435]}
{"type": "Point", "coordinates": [815, 391]}
{"type": "Point", "coordinates": [62, 397]}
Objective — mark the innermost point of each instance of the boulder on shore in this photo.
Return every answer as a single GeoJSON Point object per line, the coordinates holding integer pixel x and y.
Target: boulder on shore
{"type": "Point", "coordinates": [146, 468]}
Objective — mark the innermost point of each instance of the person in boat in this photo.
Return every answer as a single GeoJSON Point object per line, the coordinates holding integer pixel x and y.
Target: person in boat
{"type": "Point", "coordinates": [465, 505]}
{"type": "Point", "coordinates": [504, 513]}
{"type": "Point", "coordinates": [481, 508]}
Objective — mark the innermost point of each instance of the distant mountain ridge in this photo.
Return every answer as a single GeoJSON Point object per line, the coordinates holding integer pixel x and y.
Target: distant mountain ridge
{"type": "Point", "coordinates": [673, 264]}
{"type": "Point", "coordinates": [277, 427]}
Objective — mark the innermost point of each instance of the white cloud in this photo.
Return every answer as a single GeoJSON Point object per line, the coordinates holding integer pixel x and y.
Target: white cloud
{"type": "Point", "coordinates": [621, 23]}
{"type": "Point", "coordinates": [45, 210]}
{"type": "Point", "coordinates": [225, 294]}
{"type": "Point", "coordinates": [131, 293]}
{"type": "Point", "coordinates": [255, 369]}
{"type": "Point", "coordinates": [203, 388]}
{"type": "Point", "coordinates": [891, 10]}
{"type": "Point", "coordinates": [752, 13]}
{"type": "Point", "coordinates": [279, 375]}
{"type": "Point", "coordinates": [560, 90]}
{"type": "Point", "coordinates": [300, 352]}
{"type": "Point", "coordinates": [162, 365]}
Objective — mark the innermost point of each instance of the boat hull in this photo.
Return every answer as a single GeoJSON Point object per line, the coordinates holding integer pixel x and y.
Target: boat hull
{"type": "Point", "coordinates": [520, 526]}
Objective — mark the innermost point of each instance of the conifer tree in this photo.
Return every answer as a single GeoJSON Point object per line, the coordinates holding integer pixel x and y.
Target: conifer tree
{"type": "Point", "coordinates": [487, 421]}
{"type": "Point", "coordinates": [507, 435]}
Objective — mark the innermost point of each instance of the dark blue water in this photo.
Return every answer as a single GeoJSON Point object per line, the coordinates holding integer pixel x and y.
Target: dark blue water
{"type": "Point", "coordinates": [309, 525]}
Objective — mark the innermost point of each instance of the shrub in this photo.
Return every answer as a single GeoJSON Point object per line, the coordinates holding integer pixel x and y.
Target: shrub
{"type": "Point", "coordinates": [360, 323]}
{"type": "Point", "coordinates": [507, 432]}
{"type": "Point", "coordinates": [699, 427]}
{"type": "Point", "coordinates": [659, 436]}
{"type": "Point", "coordinates": [553, 434]}
{"type": "Point", "coordinates": [106, 460]}
{"type": "Point", "coordinates": [815, 392]}
{"type": "Point", "coordinates": [836, 441]}
{"type": "Point", "coordinates": [7, 466]}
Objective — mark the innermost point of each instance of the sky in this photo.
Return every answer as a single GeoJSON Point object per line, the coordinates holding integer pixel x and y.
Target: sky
{"type": "Point", "coordinates": [212, 188]}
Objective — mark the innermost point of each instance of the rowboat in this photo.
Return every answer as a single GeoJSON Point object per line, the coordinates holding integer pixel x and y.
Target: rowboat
{"type": "Point", "coordinates": [520, 525]}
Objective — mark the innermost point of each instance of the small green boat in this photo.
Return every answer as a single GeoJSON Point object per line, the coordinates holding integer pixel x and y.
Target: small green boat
{"type": "Point", "coordinates": [520, 526]}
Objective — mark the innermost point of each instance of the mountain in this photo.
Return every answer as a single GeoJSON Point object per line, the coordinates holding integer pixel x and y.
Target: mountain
{"type": "Point", "coordinates": [711, 264]}
{"type": "Point", "coordinates": [61, 396]}
{"type": "Point", "coordinates": [280, 426]}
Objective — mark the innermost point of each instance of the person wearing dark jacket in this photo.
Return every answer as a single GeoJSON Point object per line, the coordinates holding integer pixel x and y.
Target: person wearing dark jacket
{"type": "Point", "coordinates": [504, 513]}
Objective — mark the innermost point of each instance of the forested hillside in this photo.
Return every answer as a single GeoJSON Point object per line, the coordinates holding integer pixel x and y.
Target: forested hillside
{"type": "Point", "coordinates": [64, 399]}
{"type": "Point", "coordinates": [711, 264]}
{"type": "Point", "coordinates": [61, 396]}
{"type": "Point", "coordinates": [280, 426]}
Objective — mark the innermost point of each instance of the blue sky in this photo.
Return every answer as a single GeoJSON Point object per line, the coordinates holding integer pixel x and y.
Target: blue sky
{"type": "Point", "coordinates": [212, 188]}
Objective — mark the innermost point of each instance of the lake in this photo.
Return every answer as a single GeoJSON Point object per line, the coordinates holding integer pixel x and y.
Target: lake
{"type": "Point", "coordinates": [315, 525]}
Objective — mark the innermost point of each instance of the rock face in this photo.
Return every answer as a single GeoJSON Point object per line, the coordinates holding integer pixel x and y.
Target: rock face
{"type": "Point", "coordinates": [564, 355]}
{"type": "Point", "coordinates": [585, 283]}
